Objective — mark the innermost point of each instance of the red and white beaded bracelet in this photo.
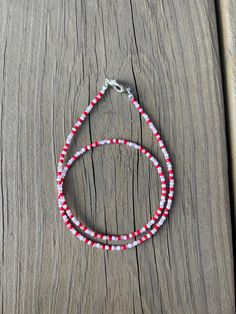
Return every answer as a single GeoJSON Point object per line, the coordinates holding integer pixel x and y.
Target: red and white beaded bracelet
{"type": "Point", "coordinates": [147, 231]}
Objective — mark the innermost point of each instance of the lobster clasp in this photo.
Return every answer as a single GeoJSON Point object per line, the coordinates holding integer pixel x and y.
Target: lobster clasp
{"type": "Point", "coordinates": [119, 88]}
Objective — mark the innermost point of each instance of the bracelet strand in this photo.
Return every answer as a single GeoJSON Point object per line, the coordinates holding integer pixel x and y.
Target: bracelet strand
{"type": "Point", "coordinates": [81, 231]}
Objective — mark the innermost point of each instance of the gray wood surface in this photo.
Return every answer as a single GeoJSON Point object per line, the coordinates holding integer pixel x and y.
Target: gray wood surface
{"type": "Point", "coordinates": [54, 57]}
{"type": "Point", "coordinates": [227, 23]}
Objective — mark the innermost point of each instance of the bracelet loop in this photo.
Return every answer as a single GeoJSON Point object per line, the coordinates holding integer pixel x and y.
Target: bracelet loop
{"type": "Point", "coordinates": [78, 228]}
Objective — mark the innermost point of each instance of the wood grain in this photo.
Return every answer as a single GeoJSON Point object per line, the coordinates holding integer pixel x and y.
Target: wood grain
{"type": "Point", "coordinates": [227, 26]}
{"type": "Point", "coordinates": [54, 57]}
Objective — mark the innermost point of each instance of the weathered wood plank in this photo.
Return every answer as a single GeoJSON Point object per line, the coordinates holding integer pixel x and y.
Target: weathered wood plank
{"type": "Point", "coordinates": [54, 57]}
{"type": "Point", "coordinates": [227, 21]}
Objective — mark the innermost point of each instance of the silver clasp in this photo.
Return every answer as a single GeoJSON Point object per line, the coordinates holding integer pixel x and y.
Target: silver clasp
{"type": "Point", "coordinates": [119, 88]}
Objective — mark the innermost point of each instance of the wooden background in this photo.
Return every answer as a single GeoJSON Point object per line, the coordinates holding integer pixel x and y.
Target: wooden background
{"type": "Point", "coordinates": [226, 10]}
{"type": "Point", "coordinates": [54, 57]}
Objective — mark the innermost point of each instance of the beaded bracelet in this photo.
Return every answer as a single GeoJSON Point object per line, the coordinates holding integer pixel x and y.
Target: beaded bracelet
{"type": "Point", "coordinates": [139, 236]}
